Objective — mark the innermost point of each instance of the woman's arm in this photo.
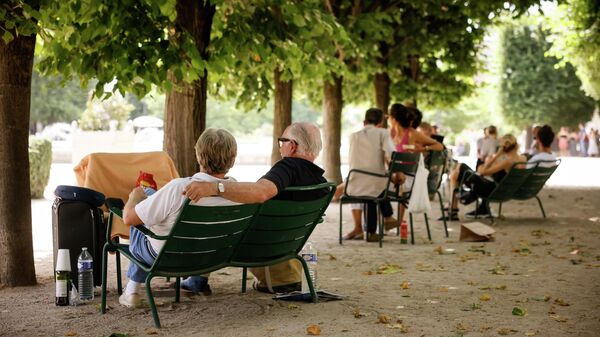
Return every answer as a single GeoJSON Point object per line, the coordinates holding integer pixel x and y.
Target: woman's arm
{"type": "Point", "coordinates": [494, 165]}
{"type": "Point", "coordinates": [424, 143]}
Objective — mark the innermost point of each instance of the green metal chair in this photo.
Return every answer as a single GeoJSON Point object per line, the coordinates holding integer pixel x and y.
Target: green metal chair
{"type": "Point", "coordinates": [534, 183]}
{"type": "Point", "coordinates": [280, 230]}
{"type": "Point", "coordinates": [202, 240]}
{"type": "Point", "coordinates": [521, 183]}
{"type": "Point", "coordinates": [405, 163]}
{"type": "Point", "coordinates": [436, 162]}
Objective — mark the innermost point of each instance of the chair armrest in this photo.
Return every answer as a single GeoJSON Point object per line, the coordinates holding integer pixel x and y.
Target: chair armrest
{"type": "Point", "coordinates": [359, 171]}
{"type": "Point", "coordinates": [150, 233]}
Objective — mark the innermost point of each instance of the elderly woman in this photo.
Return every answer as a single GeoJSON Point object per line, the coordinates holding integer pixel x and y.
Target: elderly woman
{"type": "Point", "coordinates": [216, 150]}
{"type": "Point", "coordinates": [488, 176]}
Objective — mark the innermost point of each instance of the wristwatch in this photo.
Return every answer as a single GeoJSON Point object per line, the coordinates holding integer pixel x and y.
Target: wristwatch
{"type": "Point", "coordinates": [220, 188]}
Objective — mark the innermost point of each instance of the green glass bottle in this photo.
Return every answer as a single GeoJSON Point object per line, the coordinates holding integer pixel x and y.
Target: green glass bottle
{"type": "Point", "coordinates": [62, 287]}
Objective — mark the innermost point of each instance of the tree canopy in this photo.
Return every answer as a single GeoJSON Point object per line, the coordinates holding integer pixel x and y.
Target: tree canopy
{"type": "Point", "coordinates": [533, 89]}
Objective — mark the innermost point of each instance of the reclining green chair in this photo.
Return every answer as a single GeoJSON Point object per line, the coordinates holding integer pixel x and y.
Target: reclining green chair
{"type": "Point", "coordinates": [281, 229]}
{"type": "Point", "coordinates": [202, 240]}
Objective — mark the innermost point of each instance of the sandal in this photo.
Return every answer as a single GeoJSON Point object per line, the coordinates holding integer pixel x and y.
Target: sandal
{"type": "Point", "coordinates": [358, 236]}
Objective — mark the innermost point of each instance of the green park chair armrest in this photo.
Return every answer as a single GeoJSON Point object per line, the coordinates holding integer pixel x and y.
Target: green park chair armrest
{"type": "Point", "coordinates": [150, 233]}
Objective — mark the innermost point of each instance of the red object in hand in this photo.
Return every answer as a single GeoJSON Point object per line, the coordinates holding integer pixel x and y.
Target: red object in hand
{"type": "Point", "coordinates": [146, 179]}
{"type": "Point", "coordinates": [403, 232]}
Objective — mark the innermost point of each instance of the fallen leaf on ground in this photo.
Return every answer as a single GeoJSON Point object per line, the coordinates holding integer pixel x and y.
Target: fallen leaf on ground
{"type": "Point", "coordinates": [401, 327]}
{"type": "Point", "coordinates": [331, 257]}
{"type": "Point", "coordinates": [356, 312]}
{"type": "Point", "coordinates": [576, 251]}
{"type": "Point", "coordinates": [485, 297]}
{"type": "Point", "coordinates": [151, 331]}
{"type": "Point", "coordinates": [405, 285]}
{"type": "Point", "coordinates": [443, 289]}
{"type": "Point", "coordinates": [383, 318]}
{"type": "Point", "coordinates": [472, 307]}
{"type": "Point", "coordinates": [540, 298]}
{"type": "Point", "coordinates": [462, 327]}
{"type": "Point", "coordinates": [313, 330]}
{"type": "Point", "coordinates": [70, 333]}
{"type": "Point", "coordinates": [388, 269]}
{"type": "Point", "coordinates": [559, 318]}
{"type": "Point", "coordinates": [498, 270]}
{"type": "Point", "coordinates": [293, 306]}
{"type": "Point", "coordinates": [506, 331]}
{"type": "Point", "coordinates": [518, 311]}
{"type": "Point", "coordinates": [561, 302]}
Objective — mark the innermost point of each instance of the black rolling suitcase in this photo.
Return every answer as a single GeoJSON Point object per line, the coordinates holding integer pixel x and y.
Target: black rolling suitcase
{"type": "Point", "coordinates": [77, 221]}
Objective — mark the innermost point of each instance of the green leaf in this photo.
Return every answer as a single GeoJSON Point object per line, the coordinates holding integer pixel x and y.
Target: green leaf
{"type": "Point", "coordinates": [7, 36]}
{"type": "Point", "coordinates": [518, 311]}
{"type": "Point", "coordinates": [299, 20]}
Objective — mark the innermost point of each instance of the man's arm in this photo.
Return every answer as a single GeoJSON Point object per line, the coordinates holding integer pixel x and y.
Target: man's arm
{"type": "Point", "coordinates": [130, 216]}
{"type": "Point", "coordinates": [246, 193]}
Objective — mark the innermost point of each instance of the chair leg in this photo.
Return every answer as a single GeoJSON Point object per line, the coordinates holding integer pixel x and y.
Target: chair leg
{"type": "Point", "coordinates": [177, 289]}
{"type": "Point", "coordinates": [104, 272]}
{"type": "Point", "coordinates": [340, 223]}
{"type": "Point", "coordinates": [443, 213]}
{"type": "Point", "coordinates": [427, 226]}
{"type": "Point", "coordinates": [541, 206]}
{"type": "Point", "coordinates": [151, 301]}
{"type": "Point", "coordinates": [118, 260]}
{"type": "Point", "coordinates": [500, 209]}
{"type": "Point", "coordinates": [379, 223]}
{"type": "Point", "coordinates": [412, 231]}
{"type": "Point", "coordinates": [245, 273]}
{"type": "Point", "coordinates": [311, 286]}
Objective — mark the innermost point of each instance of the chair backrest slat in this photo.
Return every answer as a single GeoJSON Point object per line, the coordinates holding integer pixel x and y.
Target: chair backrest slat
{"type": "Point", "coordinates": [204, 237]}
{"type": "Point", "coordinates": [282, 227]}
{"type": "Point", "coordinates": [532, 186]}
{"type": "Point", "coordinates": [510, 183]}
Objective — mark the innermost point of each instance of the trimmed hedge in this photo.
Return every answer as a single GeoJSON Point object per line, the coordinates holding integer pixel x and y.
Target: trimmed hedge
{"type": "Point", "coordinates": [40, 160]}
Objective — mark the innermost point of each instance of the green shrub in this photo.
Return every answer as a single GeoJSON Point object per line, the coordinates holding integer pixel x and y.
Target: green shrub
{"type": "Point", "coordinates": [40, 160]}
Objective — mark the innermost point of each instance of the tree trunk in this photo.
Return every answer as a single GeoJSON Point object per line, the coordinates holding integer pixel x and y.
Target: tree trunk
{"type": "Point", "coordinates": [185, 115]}
{"type": "Point", "coordinates": [16, 244]}
{"type": "Point", "coordinates": [413, 61]}
{"type": "Point", "coordinates": [332, 126]}
{"type": "Point", "coordinates": [382, 91]}
{"type": "Point", "coordinates": [282, 115]}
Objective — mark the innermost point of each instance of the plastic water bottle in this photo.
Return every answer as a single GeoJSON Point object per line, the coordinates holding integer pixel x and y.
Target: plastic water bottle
{"type": "Point", "coordinates": [85, 268]}
{"type": "Point", "coordinates": [309, 254]}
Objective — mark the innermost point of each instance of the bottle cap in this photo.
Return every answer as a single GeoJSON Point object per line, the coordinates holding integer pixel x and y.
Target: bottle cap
{"type": "Point", "coordinates": [63, 260]}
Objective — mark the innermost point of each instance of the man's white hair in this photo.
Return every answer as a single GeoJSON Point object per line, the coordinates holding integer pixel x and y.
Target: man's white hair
{"type": "Point", "coordinates": [308, 137]}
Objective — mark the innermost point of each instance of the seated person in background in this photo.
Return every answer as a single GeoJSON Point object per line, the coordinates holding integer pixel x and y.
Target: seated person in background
{"type": "Point", "coordinates": [533, 148]}
{"type": "Point", "coordinates": [543, 141]}
{"type": "Point", "coordinates": [488, 175]}
{"type": "Point", "coordinates": [299, 145]}
{"type": "Point", "coordinates": [489, 145]}
{"type": "Point", "coordinates": [370, 149]}
{"type": "Point", "coordinates": [403, 121]}
{"type": "Point", "coordinates": [216, 150]}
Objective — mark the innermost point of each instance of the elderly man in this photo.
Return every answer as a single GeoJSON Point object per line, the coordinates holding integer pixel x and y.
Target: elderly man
{"type": "Point", "coordinates": [299, 146]}
{"type": "Point", "coordinates": [216, 150]}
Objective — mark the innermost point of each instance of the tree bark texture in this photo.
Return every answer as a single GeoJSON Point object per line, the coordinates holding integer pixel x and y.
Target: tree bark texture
{"type": "Point", "coordinates": [16, 244]}
{"type": "Point", "coordinates": [282, 115]}
{"type": "Point", "coordinates": [185, 115]}
{"type": "Point", "coordinates": [332, 126]}
{"type": "Point", "coordinates": [382, 91]}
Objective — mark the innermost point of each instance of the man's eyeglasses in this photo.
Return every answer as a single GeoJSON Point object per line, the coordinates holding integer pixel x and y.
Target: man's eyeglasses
{"type": "Point", "coordinates": [282, 140]}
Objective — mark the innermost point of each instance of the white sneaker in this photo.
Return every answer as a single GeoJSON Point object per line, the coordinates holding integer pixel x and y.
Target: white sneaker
{"type": "Point", "coordinates": [130, 300]}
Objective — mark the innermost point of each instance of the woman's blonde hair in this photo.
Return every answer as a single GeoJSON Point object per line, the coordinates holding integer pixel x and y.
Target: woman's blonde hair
{"type": "Point", "coordinates": [216, 150]}
{"type": "Point", "coordinates": [508, 143]}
